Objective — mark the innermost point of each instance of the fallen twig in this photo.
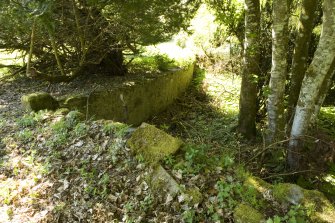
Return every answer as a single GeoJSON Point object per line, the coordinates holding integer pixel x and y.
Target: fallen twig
{"type": "Point", "coordinates": [289, 174]}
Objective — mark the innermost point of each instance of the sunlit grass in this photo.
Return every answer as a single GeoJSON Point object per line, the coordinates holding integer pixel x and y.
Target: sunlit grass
{"type": "Point", "coordinates": [326, 120]}
{"type": "Point", "coordinates": [9, 58]}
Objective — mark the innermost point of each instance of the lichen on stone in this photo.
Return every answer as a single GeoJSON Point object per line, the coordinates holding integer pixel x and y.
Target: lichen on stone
{"type": "Point", "coordinates": [160, 180]}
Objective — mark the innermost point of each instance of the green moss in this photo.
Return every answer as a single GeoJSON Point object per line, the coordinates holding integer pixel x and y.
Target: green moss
{"type": "Point", "coordinates": [39, 101]}
{"type": "Point", "coordinates": [260, 185]}
{"type": "Point", "coordinates": [318, 207]}
{"type": "Point", "coordinates": [328, 189]}
{"type": "Point", "coordinates": [244, 213]}
{"type": "Point", "coordinates": [194, 196]}
{"type": "Point", "coordinates": [62, 111]}
{"type": "Point", "coordinates": [323, 210]}
{"type": "Point", "coordinates": [152, 143]}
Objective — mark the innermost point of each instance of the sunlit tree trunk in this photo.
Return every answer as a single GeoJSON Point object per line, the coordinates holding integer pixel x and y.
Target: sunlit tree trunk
{"type": "Point", "coordinates": [248, 107]}
{"type": "Point", "coordinates": [300, 55]}
{"type": "Point", "coordinates": [312, 83]}
{"type": "Point", "coordinates": [276, 120]}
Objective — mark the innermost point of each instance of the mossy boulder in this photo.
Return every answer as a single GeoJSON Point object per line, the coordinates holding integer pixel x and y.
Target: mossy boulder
{"type": "Point", "coordinates": [243, 213]}
{"type": "Point", "coordinates": [286, 193]}
{"type": "Point", "coordinates": [152, 143]}
{"type": "Point", "coordinates": [319, 207]}
{"type": "Point", "coordinates": [324, 211]}
{"type": "Point", "coordinates": [321, 210]}
{"type": "Point", "coordinates": [39, 101]}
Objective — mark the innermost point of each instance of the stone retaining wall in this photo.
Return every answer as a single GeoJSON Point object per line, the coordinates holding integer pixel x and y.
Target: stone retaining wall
{"type": "Point", "coordinates": [134, 101]}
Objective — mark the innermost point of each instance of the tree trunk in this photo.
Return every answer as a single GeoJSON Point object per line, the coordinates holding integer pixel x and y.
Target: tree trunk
{"type": "Point", "coordinates": [32, 39]}
{"type": "Point", "coordinates": [312, 83]}
{"type": "Point", "coordinates": [80, 34]}
{"type": "Point", "coordinates": [323, 91]}
{"type": "Point", "coordinates": [54, 48]}
{"type": "Point", "coordinates": [251, 70]}
{"type": "Point", "coordinates": [113, 63]}
{"type": "Point", "coordinates": [276, 119]}
{"type": "Point", "coordinates": [55, 51]}
{"type": "Point", "coordinates": [300, 55]}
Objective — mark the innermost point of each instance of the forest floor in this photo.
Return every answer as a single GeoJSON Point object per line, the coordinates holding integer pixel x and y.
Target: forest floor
{"type": "Point", "coordinates": [56, 168]}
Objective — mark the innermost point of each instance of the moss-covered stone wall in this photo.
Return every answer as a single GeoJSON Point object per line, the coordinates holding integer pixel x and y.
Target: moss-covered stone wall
{"type": "Point", "coordinates": [135, 101]}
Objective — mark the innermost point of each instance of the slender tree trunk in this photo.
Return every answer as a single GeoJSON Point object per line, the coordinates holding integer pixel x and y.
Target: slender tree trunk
{"type": "Point", "coordinates": [323, 91]}
{"type": "Point", "coordinates": [276, 120]}
{"type": "Point", "coordinates": [80, 33]}
{"type": "Point", "coordinates": [300, 55]}
{"type": "Point", "coordinates": [31, 48]}
{"type": "Point", "coordinates": [312, 83]}
{"type": "Point", "coordinates": [55, 51]}
{"type": "Point", "coordinates": [251, 70]}
{"type": "Point", "coordinates": [54, 46]}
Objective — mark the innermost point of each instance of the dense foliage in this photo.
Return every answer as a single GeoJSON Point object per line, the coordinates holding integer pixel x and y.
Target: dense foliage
{"type": "Point", "coordinates": [92, 36]}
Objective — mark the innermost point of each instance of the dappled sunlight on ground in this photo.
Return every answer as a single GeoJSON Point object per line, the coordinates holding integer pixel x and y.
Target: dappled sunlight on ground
{"type": "Point", "coordinates": [225, 91]}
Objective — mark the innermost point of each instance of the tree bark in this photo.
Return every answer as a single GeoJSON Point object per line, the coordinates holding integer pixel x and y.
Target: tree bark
{"type": "Point", "coordinates": [251, 70]}
{"type": "Point", "coordinates": [312, 83]}
{"type": "Point", "coordinates": [300, 55]}
{"type": "Point", "coordinates": [276, 120]}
